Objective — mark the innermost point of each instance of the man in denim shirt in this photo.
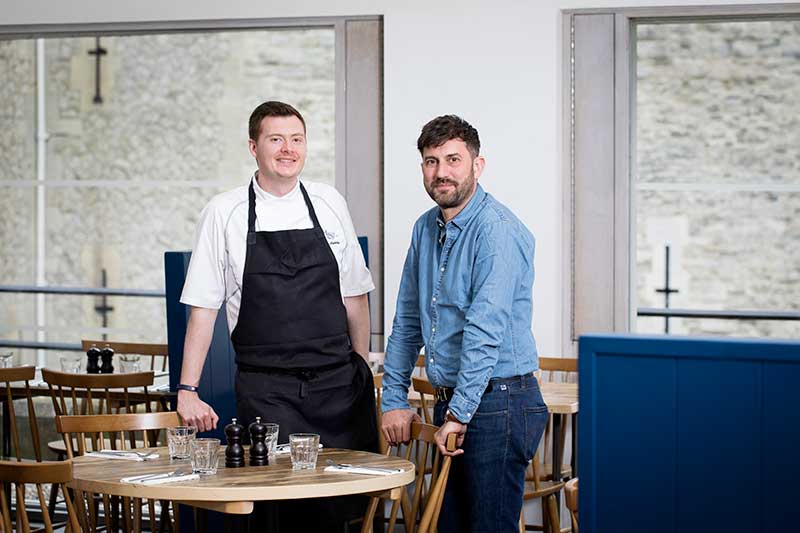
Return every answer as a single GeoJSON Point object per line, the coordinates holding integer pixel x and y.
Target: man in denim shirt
{"type": "Point", "coordinates": [466, 295]}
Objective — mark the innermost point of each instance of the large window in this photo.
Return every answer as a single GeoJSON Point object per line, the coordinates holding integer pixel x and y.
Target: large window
{"type": "Point", "coordinates": [681, 148]}
{"type": "Point", "coordinates": [140, 131]}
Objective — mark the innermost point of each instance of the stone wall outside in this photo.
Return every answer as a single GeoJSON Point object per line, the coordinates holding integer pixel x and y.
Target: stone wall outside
{"type": "Point", "coordinates": [718, 111]}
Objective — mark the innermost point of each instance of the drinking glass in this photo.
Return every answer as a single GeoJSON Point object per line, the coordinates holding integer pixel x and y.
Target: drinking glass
{"type": "Point", "coordinates": [6, 359]}
{"type": "Point", "coordinates": [272, 438]}
{"type": "Point", "coordinates": [205, 453]}
{"type": "Point", "coordinates": [129, 364]}
{"type": "Point", "coordinates": [179, 440]}
{"type": "Point", "coordinates": [304, 448]}
{"type": "Point", "coordinates": [70, 363]}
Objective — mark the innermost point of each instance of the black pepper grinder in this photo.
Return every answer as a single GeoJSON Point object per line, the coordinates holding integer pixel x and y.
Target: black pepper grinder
{"type": "Point", "coordinates": [234, 452]}
{"type": "Point", "coordinates": [259, 454]}
{"type": "Point", "coordinates": [106, 355]}
{"type": "Point", "coordinates": [93, 360]}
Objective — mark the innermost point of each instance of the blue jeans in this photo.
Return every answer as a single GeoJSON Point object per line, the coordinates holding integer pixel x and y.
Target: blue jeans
{"type": "Point", "coordinates": [486, 483]}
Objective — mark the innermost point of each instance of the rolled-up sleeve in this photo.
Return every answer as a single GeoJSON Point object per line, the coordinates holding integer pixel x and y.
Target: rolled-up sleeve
{"type": "Point", "coordinates": [488, 318]}
{"type": "Point", "coordinates": [406, 338]}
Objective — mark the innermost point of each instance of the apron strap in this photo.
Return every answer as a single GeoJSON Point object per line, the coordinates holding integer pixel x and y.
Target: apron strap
{"type": "Point", "coordinates": [251, 212]}
{"type": "Point", "coordinates": [251, 215]}
{"type": "Point", "coordinates": [311, 212]}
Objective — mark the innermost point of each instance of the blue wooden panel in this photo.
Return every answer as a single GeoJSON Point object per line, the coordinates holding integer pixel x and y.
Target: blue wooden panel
{"type": "Point", "coordinates": [780, 423]}
{"type": "Point", "coordinates": [644, 424]}
{"type": "Point", "coordinates": [688, 434]}
{"type": "Point", "coordinates": [718, 415]}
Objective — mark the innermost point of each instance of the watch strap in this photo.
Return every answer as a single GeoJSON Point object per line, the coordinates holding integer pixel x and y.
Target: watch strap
{"type": "Point", "coordinates": [183, 386]}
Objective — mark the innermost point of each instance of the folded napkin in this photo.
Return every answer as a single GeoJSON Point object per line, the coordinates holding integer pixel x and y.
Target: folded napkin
{"type": "Point", "coordinates": [363, 470]}
{"type": "Point", "coordinates": [282, 449]}
{"type": "Point", "coordinates": [119, 454]}
{"type": "Point", "coordinates": [158, 479]}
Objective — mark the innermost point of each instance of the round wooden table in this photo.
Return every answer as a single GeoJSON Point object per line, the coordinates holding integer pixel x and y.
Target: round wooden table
{"type": "Point", "coordinates": [233, 490]}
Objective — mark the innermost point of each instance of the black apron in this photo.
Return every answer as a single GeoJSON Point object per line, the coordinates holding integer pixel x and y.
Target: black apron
{"type": "Point", "coordinates": [295, 363]}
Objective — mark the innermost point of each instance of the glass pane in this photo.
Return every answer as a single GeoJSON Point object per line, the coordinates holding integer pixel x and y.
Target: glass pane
{"type": "Point", "coordinates": [170, 132]}
{"type": "Point", "coordinates": [718, 172]}
{"type": "Point", "coordinates": [18, 110]}
{"type": "Point", "coordinates": [123, 231]}
{"type": "Point", "coordinates": [175, 107]}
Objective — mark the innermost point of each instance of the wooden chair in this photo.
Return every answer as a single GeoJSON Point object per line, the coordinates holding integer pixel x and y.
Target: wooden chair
{"type": "Point", "coordinates": [556, 370]}
{"type": "Point", "coordinates": [58, 473]}
{"type": "Point", "coordinates": [7, 377]}
{"type": "Point", "coordinates": [416, 505]}
{"type": "Point", "coordinates": [571, 497]}
{"type": "Point", "coordinates": [153, 351]}
{"type": "Point", "coordinates": [537, 488]}
{"type": "Point", "coordinates": [81, 394]}
{"type": "Point", "coordinates": [97, 432]}
{"type": "Point", "coordinates": [426, 397]}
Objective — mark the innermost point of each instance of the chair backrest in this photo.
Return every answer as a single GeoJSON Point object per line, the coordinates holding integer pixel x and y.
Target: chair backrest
{"type": "Point", "coordinates": [426, 397]}
{"type": "Point", "coordinates": [98, 393]}
{"type": "Point", "coordinates": [158, 352]}
{"type": "Point", "coordinates": [428, 462]}
{"type": "Point", "coordinates": [116, 432]}
{"type": "Point", "coordinates": [7, 377]}
{"type": "Point", "coordinates": [58, 473]}
{"type": "Point", "coordinates": [558, 369]}
{"type": "Point", "coordinates": [109, 431]}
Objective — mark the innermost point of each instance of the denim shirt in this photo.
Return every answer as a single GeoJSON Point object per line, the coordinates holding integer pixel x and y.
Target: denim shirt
{"type": "Point", "coordinates": [466, 295]}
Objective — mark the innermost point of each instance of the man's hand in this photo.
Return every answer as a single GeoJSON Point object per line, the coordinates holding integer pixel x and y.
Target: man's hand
{"type": "Point", "coordinates": [396, 425]}
{"type": "Point", "coordinates": [441, 437]}
{"type": "Point", "coordinates": [196, 412]}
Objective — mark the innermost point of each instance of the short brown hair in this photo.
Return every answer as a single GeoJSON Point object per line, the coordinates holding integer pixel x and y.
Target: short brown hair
{"type": "Point", "coordinates": [271, 109]}
{"type": "Point", "coordinates": [446, 127]}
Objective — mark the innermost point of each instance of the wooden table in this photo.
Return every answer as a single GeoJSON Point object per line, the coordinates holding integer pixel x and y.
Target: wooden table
{"type": "Point", "coordinates": [562, 400]}
{"type": "Point", "coordinates": [234, 490]}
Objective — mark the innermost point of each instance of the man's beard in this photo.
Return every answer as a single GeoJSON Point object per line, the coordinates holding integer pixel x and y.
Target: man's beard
{"type": "Point", "coordinates": [454, 197]}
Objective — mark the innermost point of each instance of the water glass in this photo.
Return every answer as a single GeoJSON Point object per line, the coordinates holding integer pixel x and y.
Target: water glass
{"type": "Point", "coordinates": [70, 363]}
{"type": "Point", "coordinates": [6, 359]}
{"type": "Point", "coordinates": [272, 438]}
{"type": "Point", "coordinates": [205, 453]}
{"type": "Point", "coordinates": [304, 448]}
{"type": "Point", "coordinates": [179, 440]}
{"type": "Point", "coordinates": [129, 364]}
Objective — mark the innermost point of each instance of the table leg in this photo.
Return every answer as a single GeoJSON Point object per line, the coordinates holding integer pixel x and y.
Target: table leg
{"type": "Point", "coordinates": [575, 445]}
{"type": "Point", "coordinates": [557, 422]}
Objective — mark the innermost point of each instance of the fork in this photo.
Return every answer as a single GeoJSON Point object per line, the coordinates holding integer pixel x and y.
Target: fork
{"type": "Point", "coordinates": [142, 455]}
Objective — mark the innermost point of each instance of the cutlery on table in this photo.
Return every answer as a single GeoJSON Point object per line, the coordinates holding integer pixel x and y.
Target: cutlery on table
{"type": "Point", "coordinates": [347, 466]}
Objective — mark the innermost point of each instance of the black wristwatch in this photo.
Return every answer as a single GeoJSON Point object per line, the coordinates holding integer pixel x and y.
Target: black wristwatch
{"type": "Point", "coordinates": [183, 386]}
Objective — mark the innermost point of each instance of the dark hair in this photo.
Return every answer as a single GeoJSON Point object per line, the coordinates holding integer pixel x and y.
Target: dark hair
{"type": "Point", "coordinates": [442, 129]}
{"type": "Point", "coordinates": [271, 109]}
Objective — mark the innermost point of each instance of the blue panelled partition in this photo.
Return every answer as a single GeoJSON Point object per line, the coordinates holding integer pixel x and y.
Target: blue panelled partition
{"type": "Point", "coordinates": [684, 434]}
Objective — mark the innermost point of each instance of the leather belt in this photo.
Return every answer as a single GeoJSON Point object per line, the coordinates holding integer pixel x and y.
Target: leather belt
{"type": "Point", "coordinates": [444, 394]}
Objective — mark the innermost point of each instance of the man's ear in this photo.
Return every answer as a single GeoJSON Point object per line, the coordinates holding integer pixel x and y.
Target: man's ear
{"type": "Point", "coordinates": [251, 144]}
{"type": "Point", "coordinates": [477, 166]}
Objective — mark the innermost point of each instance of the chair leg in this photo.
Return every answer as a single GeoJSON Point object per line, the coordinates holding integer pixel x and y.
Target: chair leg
{"type": "Point", "coordinates": [552, 511]}
{"type": "Point", "coordinates": [522, 519]}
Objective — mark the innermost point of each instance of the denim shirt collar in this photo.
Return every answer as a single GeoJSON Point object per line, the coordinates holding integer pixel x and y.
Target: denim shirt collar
{"type": "Point", "coordinates": [462, 219]}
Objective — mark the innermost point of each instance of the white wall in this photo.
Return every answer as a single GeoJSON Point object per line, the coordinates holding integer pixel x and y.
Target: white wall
{"type": "Point", "coordinates": [496, 63]}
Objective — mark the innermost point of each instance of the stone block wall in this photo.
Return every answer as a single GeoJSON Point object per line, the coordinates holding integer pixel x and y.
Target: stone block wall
{"type": "Point", "coordinates": [718, 171]}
